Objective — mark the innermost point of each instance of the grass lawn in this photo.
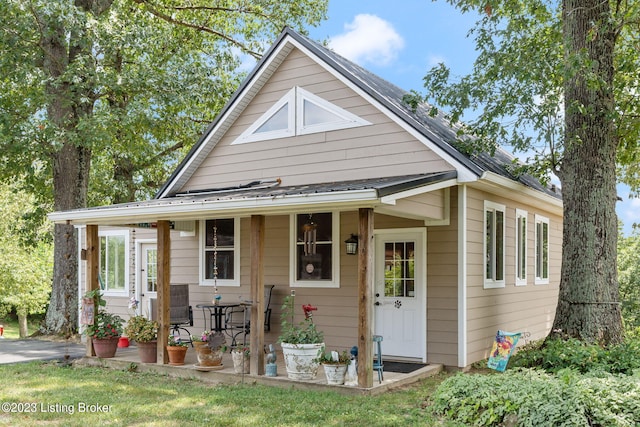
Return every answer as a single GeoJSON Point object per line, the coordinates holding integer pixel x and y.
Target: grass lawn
{"type": "Point", "coordinates": [11, 327]}
{"type": "Point", "coordinates": [55, 395]}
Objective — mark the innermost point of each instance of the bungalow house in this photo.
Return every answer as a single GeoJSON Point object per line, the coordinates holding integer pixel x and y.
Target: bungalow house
{"type": "Point", "coordinates": [311, 151]}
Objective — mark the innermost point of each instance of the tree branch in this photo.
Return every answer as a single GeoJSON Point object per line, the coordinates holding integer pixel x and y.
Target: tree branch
{"type": "Point", "coordinates": [198, 27]}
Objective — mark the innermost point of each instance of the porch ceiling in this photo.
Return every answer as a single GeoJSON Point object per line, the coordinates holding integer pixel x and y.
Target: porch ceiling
{"type": "Point", "coordinates": [254, 199]}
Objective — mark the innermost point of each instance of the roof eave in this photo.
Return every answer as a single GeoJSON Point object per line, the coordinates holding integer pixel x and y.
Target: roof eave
{"type": "Point", "coordinates": [130, 213]}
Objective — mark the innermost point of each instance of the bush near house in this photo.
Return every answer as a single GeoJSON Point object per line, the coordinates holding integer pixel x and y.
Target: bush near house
{"type": "Point", "coordinates": [563, 383]}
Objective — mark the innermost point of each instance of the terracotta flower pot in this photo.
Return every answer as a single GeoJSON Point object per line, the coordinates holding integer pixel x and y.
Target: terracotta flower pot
{"type": "Point", "coordinates": [176, 355]}
{"type": "Point", "coordinates": [105, 348]}
{"type": "Point", "coordinates": [148, 351]}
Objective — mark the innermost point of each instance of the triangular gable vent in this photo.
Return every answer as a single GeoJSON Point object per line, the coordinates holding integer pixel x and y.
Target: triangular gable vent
{"type": "Point", "coordinates": [299, 112]}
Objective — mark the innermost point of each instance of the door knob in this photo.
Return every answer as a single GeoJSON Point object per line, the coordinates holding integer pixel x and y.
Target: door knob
{"type": "Point", "coordinates": [377, 303]}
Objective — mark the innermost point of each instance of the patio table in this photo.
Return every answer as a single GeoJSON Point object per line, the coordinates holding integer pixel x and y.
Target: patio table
{"type": "Point", "coordinates": [216, 314]}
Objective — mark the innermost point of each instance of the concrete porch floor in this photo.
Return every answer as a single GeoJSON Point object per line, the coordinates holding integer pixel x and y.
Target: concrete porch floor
{"type": "Point", "coordinates": [127, 358]}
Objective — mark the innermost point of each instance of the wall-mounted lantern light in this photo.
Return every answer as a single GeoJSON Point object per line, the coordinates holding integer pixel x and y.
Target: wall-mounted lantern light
{"type": "Point", "coordinates": [352, 244]}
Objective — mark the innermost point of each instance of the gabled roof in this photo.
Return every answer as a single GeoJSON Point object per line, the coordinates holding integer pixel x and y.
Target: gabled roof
{"type": "Point", "coordinates": [435, 131]}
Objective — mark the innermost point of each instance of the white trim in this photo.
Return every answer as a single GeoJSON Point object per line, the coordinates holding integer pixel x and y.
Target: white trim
{"type": "Point", "coordinates": [447, 211]}
{"type": "Point", "coordinates": [539, 219]}
{"type": "Point", "coordinates": [132, 213]}
{"type": "Point", "coordinates": [127, 263]}
{"type": "Point", "coordinates": [138, 278]}
{"type": "Point", "coordinates": [493, 207]}
{"type": "Point", "coordinates": [348, 120]}
{"type": "Point", "coordinates": [202, 281]}
{"type": "Point", "coordinates": [403, 233]}
{"type": "Point", "coordinates": [462, 276]}
{"type": "Point", "coordinates": [392, 198]}
{"type": "Point", "coordinates": [249, 135]}
{"type": "Point", "coordinates": [520, 192]}
{"type": "Point", "coordinates": [521, 213]}
{"type": "Point", "coordinates": [335, 254]}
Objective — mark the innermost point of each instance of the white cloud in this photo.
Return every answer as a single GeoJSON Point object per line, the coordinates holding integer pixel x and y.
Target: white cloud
{"type": "Point", "coordinates": [368, 39]}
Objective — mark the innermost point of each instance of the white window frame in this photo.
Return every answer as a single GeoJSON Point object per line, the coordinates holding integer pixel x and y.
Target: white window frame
{"type": "Point", "coordinates": [521, 247]}
{"type": "Point", "coordinates": [541, 280]}
{"type": "Point", "coordinates": [335, 254]}
{"type": "Point", "coordinates": [236, 255]}
{"type": "Point", "coordinates": [490, 283]}
{"type": "Point", "coordinates": [127, 261]}
{"type": "Point", "coordinates": [294, 99]}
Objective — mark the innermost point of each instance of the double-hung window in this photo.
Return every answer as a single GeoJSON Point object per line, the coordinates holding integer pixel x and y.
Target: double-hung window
{"type": "Point", "coordinates": [521, 247]}
{"type": "Point", "coordinates": [314, 250]}
{"type": "Point", "coordinates": [113, 266]}
{"type": "Point", "coordinates": [220, 252]}
{"type": "Point", "coordinates": [542, 250]}
{"type": "Point", "coordinates": [494, 226]}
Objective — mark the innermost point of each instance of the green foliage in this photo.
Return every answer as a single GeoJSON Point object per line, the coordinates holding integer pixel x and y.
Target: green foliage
{"type": "Point", "coordinates": [554, 355]}
{"type": "Point", "coordinates": [141, 329]}
{"type": "Point", "coordinates": [173, 342]}
{"type": "Point", "coordinates": [326, 358]}
{"type": "Point", "coordinates": [27, 257]}
{"type": "Point", "coordinates": [105, 324]}
{"type": "Point", "coordinates": [534, 398]}
{"type": "Point", "coordinates": [629, 278]}
{"type": "Point", "coordinates": [304, 332]}
{"type": "Point", "coordinates": [143, 80]}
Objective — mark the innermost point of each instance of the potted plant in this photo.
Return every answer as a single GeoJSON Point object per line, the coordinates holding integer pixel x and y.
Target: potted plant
{"type": "Point", "coordinates": [335, 366]}
{"type": "Point", "coordinates": [106, 328]}
{"type": "Point", "coordinates": [241, 357]}
{"type": "Point", "coordinates": [145, 333]}
{"type": "Point", "coordinates": [301, 343]}
{"type": "Point", "coordinates": [177, 351]}
{"type": "Point", "coordinates": [209, 348]}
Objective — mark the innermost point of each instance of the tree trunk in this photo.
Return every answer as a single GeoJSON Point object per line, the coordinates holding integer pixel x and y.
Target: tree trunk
{"type": "Point", "coordinates": [588, 304]}
{"type": "Point", "coordinates": [23, 329]}
{"type": "Point", "coordinates": [70, 163]}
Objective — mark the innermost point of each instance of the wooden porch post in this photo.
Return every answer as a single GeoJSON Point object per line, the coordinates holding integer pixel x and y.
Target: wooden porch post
{"type": "Point", "coordinates": [365, 298]}
{"type": "Point", "coordinates": [163, 291]}
{"type": "Point", "coordinates": [257, 295]}
{"type": "Point", "coordinates": [92, 272]}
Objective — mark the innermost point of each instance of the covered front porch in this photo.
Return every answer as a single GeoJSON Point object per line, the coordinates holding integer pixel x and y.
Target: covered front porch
{"type": "Point", "coordinates": [271, 216]}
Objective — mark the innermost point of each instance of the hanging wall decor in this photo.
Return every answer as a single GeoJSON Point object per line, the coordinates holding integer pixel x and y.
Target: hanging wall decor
{"type": "Point", "coordinates": [309, 236]}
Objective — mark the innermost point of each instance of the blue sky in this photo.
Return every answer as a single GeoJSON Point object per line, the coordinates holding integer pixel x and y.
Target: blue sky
{"type": "Point", "coordinates": [401, 40]}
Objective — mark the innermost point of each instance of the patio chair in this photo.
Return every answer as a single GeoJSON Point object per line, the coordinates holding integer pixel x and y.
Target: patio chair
{"type": "Point", "coordinates": [180, 312]}
{"type": "Point", "coordinates": [238, 319]}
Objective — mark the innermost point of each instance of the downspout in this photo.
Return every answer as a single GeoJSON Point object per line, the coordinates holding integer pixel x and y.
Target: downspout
{"type": "Point", "coordinates": [462, 276]}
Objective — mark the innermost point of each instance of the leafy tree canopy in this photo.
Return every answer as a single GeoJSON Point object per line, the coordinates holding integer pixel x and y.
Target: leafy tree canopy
{"type": "Point", "coordinates": [142, 80]}
{"type": "Point", "coordinates": [27, 259]}
{"type": "Point", "coordinates": [516, 86]}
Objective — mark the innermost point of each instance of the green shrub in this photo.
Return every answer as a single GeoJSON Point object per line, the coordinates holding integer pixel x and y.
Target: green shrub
{"type": "Point", "coordinates": [554, 355]}
{"type": "Point", "coordinates": [530, 397]}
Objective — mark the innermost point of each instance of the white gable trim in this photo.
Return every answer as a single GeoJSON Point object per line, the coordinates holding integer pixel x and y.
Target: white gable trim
{"type": "Point", "coordinates": [346, 119]}
{"type": "Point", "coordinates": [295, 100]}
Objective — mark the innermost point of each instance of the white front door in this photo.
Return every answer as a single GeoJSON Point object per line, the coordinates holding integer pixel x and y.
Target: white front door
{"type": "Point", "coordinates": [400, 292]}
{"type": "Point", "coordinates": [148, 277]}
